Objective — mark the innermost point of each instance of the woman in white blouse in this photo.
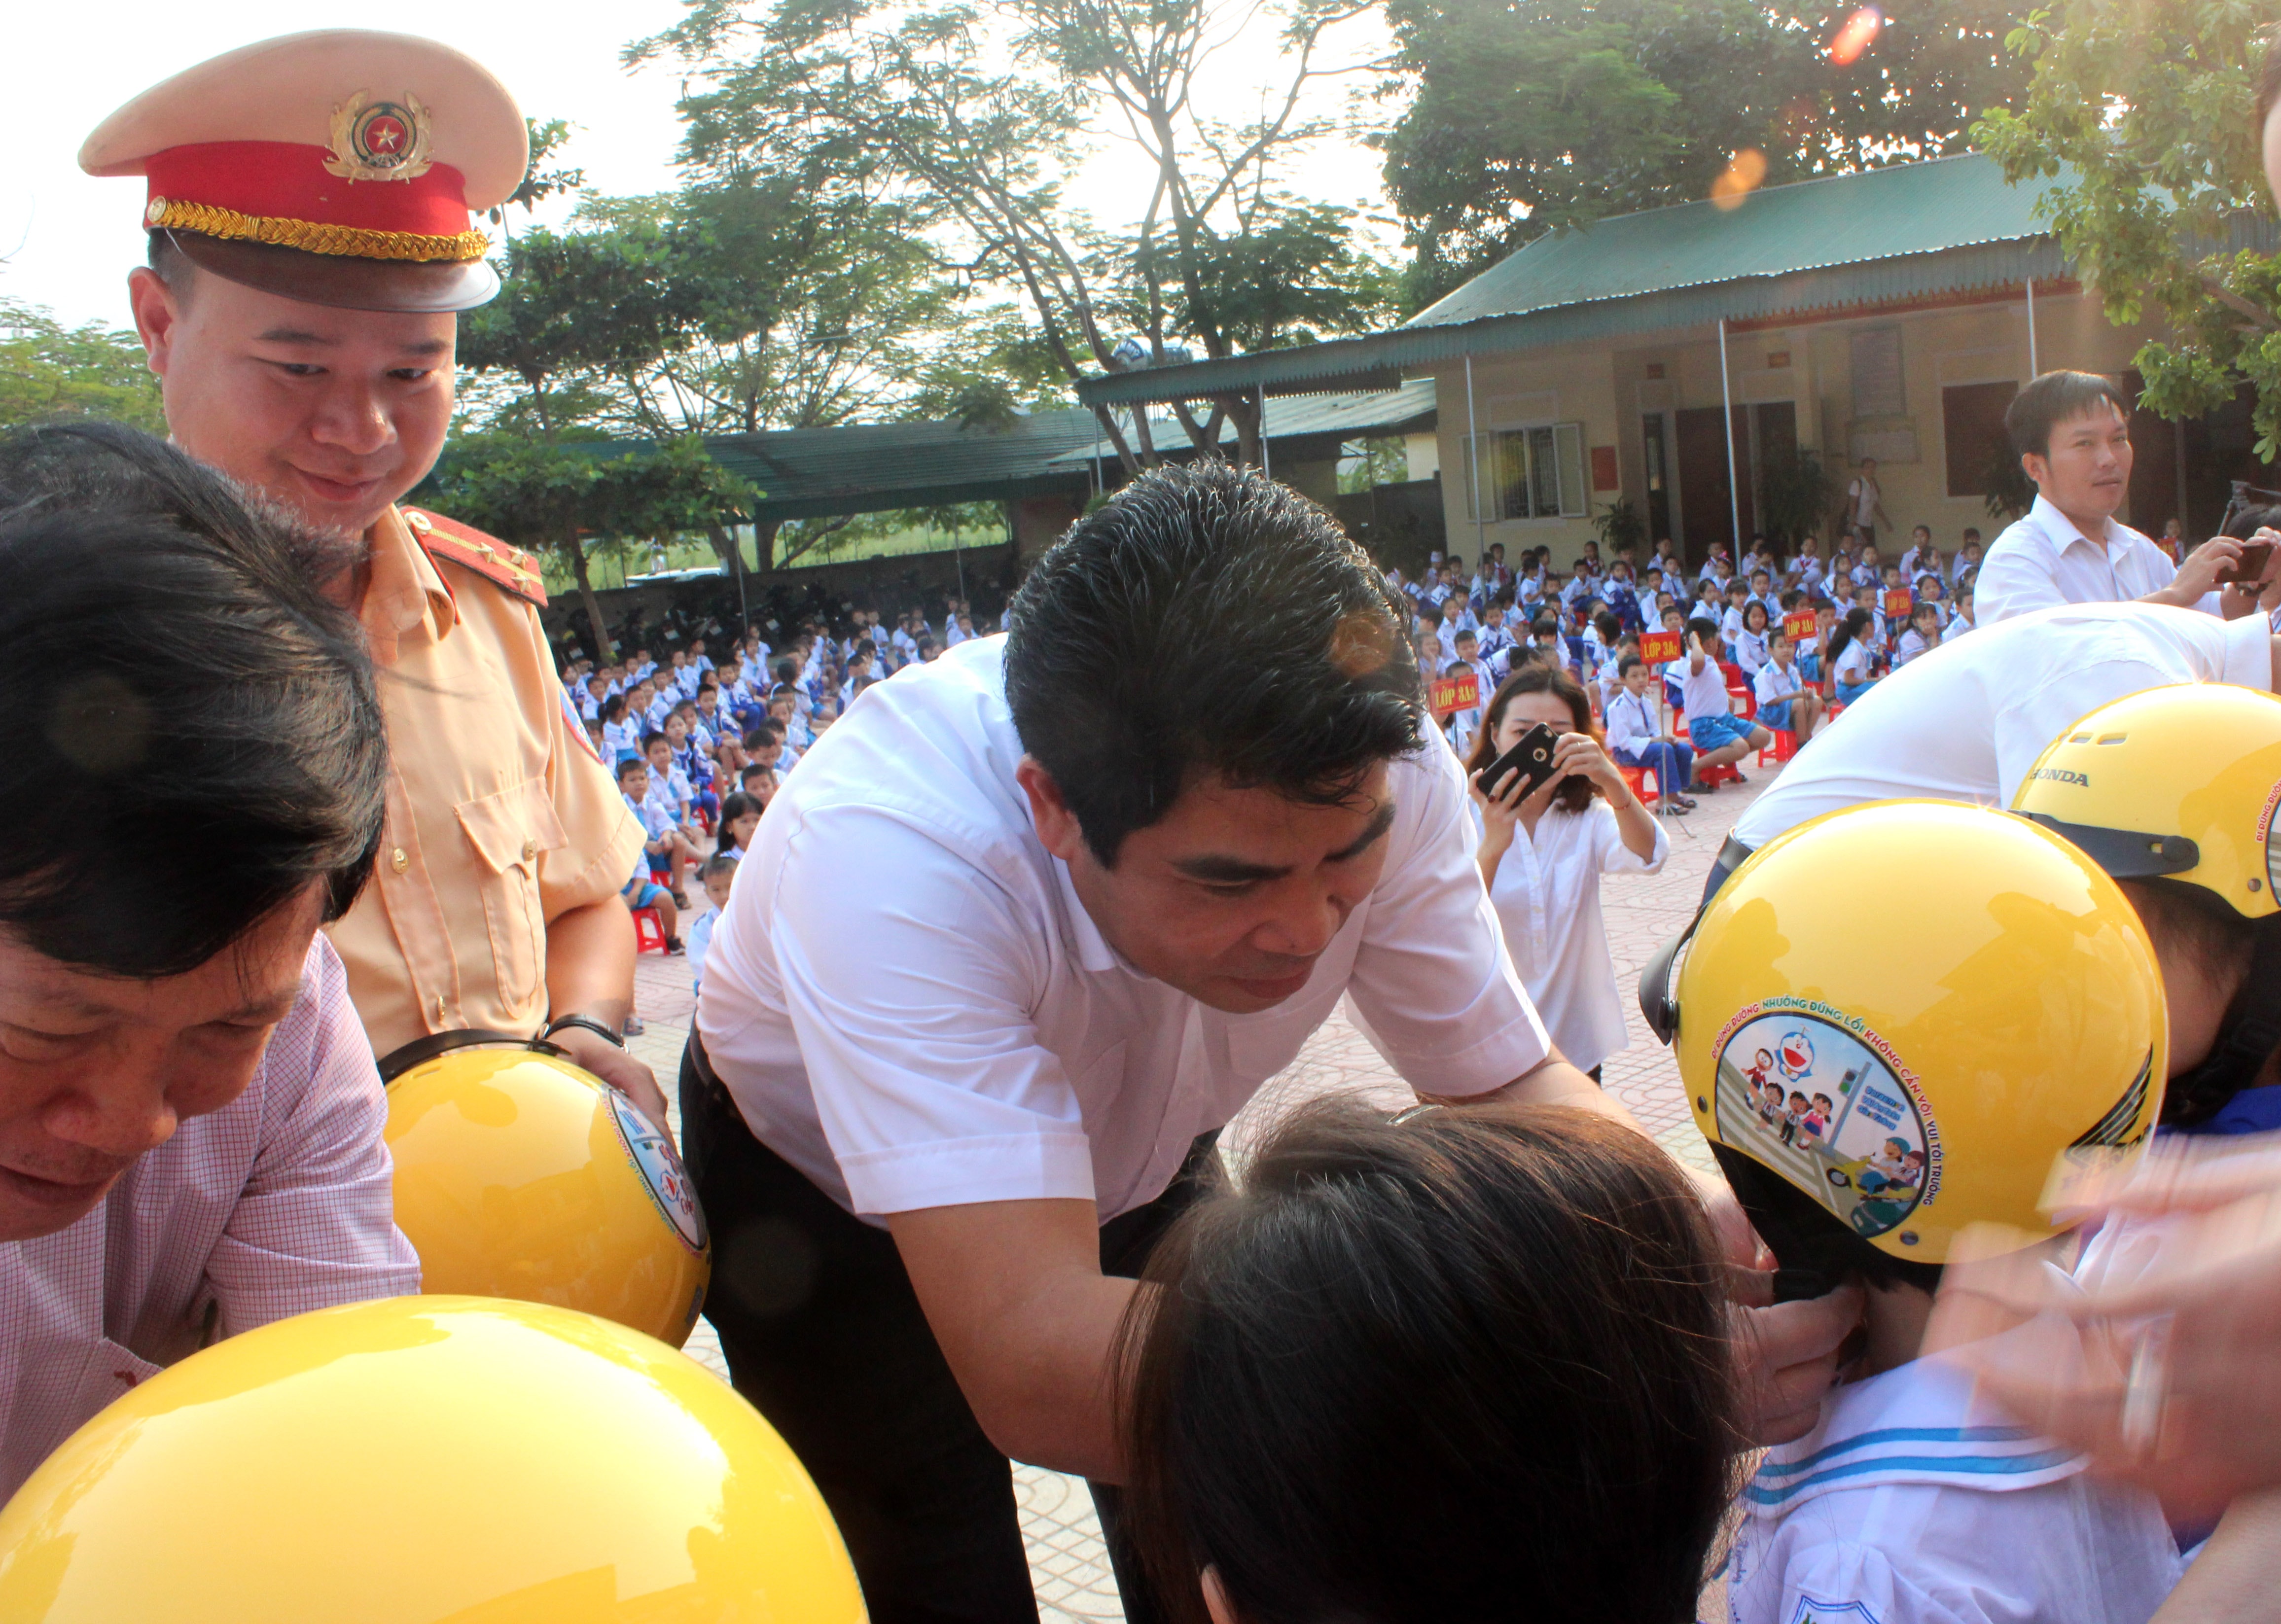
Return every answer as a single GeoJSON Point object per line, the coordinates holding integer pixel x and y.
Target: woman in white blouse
{"type": "Point", "coordinates": [1542, 856]}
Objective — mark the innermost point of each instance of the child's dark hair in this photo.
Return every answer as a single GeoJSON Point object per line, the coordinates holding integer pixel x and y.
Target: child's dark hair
{"type": "Point", "coordinates": [1705, 628]}
{"type": "Point", "coordinates": [652, 738]}
{"type": "Point", "coordinates": [1468, 1363]}
{"type": "Point", "coordinates": [1607, 625]}
{"type": "Point", "coordinates": [715, 866]}
{"type": "Point", "coordinates": [632, 763]}
{"type": "Point", "coordinates": [1627, 664]}
{"type": "Point", "coordinates": [1848, 630]}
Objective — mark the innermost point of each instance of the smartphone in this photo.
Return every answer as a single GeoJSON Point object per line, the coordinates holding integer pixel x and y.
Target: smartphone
{"type": "Point", "coordinates": [1532, 757]}
{"type": "Point", "coordinates": [2252, 567]}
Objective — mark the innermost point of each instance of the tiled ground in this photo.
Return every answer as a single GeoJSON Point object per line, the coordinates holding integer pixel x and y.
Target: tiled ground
{"type": "Point", "coordinates": [1067, 1563]}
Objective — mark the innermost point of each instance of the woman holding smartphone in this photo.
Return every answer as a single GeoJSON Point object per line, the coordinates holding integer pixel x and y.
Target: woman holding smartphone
{"type": "Point", "coordinates": [1545, 846]}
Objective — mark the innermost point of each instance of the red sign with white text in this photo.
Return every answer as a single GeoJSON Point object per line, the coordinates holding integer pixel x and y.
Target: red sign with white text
{"type": "Point", "coordinates": [1448, 695]}
{"type": "Point", "coordinates": [1800, 624]}
{"type": "Point", "coordinates": [1661, 647]}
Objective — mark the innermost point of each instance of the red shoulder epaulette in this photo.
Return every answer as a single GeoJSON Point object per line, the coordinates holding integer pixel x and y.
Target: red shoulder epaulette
{"type": "Point", "coordinates": [488, 556]}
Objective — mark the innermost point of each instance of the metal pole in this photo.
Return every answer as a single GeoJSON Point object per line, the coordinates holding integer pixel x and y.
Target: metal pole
{"type": "Point", "coordinates": [1473, 462]}
{"type": "Point", "coordinates": [2034, 369]}
{"type": "Point", "coordinates": [1266, 458]}
{"type": "Point", "coordinates": [1734, 479]}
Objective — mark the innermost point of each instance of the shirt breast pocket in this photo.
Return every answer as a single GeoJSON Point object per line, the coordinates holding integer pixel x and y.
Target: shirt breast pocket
{"type": "Point", "coordinates": [510, 832]}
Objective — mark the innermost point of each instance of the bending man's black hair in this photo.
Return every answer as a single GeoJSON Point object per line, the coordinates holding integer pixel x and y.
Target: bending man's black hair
{"type": "Point", "coordinates": [193, 737]}
{"type": "Point", "coordinates": [1207, 622]}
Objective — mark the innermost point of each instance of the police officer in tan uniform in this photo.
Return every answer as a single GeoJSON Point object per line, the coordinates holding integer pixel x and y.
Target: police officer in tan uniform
{"type": "Point", "coordinates": [309, 206]}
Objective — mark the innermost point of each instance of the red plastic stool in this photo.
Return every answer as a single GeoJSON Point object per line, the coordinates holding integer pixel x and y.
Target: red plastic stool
{"type": "Point", "coordinates": [1638, 778]}
{"type": "Point", "coordinates": [1716, 775]}
{"type": "Point", "coordinates": [1784, 747]}
{"type": "Point", "coordinates": [649, 931]}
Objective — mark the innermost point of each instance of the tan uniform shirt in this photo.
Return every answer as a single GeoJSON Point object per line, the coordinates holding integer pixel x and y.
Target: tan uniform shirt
{"type": "Point", "coordinates": [499, 820]}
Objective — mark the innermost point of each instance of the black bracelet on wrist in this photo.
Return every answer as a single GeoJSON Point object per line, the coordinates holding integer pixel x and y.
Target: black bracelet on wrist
{"type": "Point", "coordinates": [586, 1022]}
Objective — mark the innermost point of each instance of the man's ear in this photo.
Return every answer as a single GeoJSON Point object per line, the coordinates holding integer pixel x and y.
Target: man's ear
{"type": "Point", "coordinates": [158, 314]}
{"type": "Point", "coordinates": [2035, 467]}
{"type": "Point", "coordinates": [1056, 824]}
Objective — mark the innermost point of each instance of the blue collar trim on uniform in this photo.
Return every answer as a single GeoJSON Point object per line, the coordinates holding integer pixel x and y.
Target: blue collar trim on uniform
{"type": "Point", "coordinates": [1896, 1435]}
{"type": "Point", "coordinates": [1952, 1466]}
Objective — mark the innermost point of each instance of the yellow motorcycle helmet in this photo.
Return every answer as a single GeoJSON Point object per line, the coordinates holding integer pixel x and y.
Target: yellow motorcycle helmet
{"type": "Point", "coordinates": [1909, 1011]}
{"type": "Point", "coordinates": [518, 1175]}
{"type": "Point", "coordinates": [2179, 783]}
{"type": "Point", "coordinates": [426, 1460]}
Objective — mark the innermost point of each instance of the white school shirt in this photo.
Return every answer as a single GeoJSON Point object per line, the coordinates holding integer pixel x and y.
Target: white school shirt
{"type": "Point", "coordinates": [1967, 722]}
{"type": "Point", "coordinates": [1704, 693]}
{"type": "Point", "coordinates": [1853, 661]}
{"type": "Point", "coordinates": [908, 1002]}
{"type": "Point", "coordinates": [1547, 894]}
{"type": "Point", "coordinates": [1913, 644]}
{"type": "Point", "coordinates": [1772, 681]}
{"type": "Point", "coordinates": [1750, 651]}
{"type": "Point", "coordinates": [2043, 561]}
{"type": "Point", "coordinates": [1630, 719]}
{"type": "Point", "coordinates": [1912, 1503]}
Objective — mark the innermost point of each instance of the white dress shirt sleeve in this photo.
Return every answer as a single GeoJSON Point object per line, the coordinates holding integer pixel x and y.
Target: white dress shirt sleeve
{"type": "Point", "coordinates": [315, 1225]}
{"type": "Point", "coordinates": [1431, 980]}
{"type": "Point", "coordinates": [931, 1083]}
{"type": "Point", "coordinates": [2016, 579]}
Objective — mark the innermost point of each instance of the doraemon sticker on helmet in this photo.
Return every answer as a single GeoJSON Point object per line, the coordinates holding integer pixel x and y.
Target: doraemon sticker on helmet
{"type": "Point", "coordinates": [667, 1181]}
{"type": "Point", "coordinates": [1815, 1096]}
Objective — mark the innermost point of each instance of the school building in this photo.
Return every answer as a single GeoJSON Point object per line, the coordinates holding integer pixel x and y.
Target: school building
{"type": "Point", "coordinates": [1702, 362]}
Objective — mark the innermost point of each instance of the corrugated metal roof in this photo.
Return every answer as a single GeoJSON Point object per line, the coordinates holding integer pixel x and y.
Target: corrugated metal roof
{"type": "Point", "coordinates": [1945, 226]}
{"type": "Point", "coordinates": [1409, 408]}
{"type": "Point", "coordinates": [871, 467]}
{"type": "Point", "coordinates": [1889, 214]}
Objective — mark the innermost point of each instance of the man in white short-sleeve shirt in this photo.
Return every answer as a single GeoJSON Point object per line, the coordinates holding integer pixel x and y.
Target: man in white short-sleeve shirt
{"type": "Point", "coordinates": [1024, 932]}
{"type": "Point", "coordinates": [1966, 720]}
{"type": "Point", "coordinates": [2072, 430]}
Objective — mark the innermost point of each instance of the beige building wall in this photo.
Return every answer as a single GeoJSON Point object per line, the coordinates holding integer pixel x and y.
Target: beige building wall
{"type": "Point", "coordinates": [1612, 387]}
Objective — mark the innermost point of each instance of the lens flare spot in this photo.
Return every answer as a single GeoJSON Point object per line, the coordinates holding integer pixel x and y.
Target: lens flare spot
{"type": "Point", "coordinates": [1739, 179]}
{"type": "Point", "coordinates": [1855, 35]}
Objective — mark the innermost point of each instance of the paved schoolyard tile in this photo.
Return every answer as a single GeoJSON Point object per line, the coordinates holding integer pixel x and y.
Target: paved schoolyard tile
{"type": "Point", "coordinates": [1068, 1564]}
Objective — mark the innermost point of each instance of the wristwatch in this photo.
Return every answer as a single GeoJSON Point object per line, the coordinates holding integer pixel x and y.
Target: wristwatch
{"type": "Point", "coordinates": [585, 1022]}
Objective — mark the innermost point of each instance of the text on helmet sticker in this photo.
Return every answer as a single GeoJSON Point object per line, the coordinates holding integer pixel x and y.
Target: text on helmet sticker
{"type": "Point", "coordinates": [1824, 1101]}
{"type": "Point", "coordinates": [662, 1174]}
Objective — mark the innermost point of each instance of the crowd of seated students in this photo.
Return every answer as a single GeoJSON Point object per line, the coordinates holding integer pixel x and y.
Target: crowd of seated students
{"type": "Point", "coordinates": [1738, 634]}
{"type": "Point", "coordinates": [701, 738]}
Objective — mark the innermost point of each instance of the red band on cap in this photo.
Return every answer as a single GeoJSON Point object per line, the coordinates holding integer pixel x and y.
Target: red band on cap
{"type": "Point", "coordinates": [285, 180]}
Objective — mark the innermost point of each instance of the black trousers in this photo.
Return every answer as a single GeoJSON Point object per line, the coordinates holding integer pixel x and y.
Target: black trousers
{"type": "Point", "coordinates": [824, 1336]}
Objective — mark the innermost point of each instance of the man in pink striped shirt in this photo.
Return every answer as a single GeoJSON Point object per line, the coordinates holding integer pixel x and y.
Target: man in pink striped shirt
{"type": "Point", "coordinates": [193, 777]}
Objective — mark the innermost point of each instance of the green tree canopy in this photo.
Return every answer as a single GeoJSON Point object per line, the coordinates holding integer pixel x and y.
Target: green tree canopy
{"type": "Point", "coordinates": [932, 108]}
{"type": "Point", "coordinates": [49, 370]}
{"type": "Point", "coordinates": [2149, 105]}
{"type": "Point", "coordinates": [1529, 115]}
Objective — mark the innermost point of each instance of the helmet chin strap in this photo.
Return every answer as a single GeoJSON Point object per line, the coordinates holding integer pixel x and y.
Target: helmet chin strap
{"type": "Point", "coordinates": [2250, 1032]}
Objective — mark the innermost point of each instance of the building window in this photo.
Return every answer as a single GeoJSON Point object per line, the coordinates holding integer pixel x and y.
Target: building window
{"type": "Point", "coordinates": [1972, 433]}
{"type": "Point", "coordinates": [1532, 473]}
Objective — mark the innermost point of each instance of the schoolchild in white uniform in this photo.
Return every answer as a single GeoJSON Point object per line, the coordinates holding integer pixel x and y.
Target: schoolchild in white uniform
{"type": "Point", "coordinates": [1720, 738]}
{"type": "Point", "coordinates": [1463, 725]}
{"type": "Point", "coordinates": [1636, 737]}
{"type": "Point", "coordinates": [1788, 702]}
{"type": "Point", "coordinates": [1913, 1501]}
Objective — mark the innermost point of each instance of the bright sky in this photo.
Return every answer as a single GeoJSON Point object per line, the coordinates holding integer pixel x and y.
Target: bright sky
{"type": "Point", "coordinates": [67, 241]}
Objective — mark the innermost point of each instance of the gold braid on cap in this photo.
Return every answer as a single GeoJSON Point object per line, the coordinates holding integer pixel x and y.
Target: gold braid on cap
{"type": "Point", "coordinates": [353, 242]}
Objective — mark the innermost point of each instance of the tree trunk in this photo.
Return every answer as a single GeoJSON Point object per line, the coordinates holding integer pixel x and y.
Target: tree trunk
{"type": "Point", "coordinates": [764, 545]}
{"type": "Point", "coordinates": [606, 652]}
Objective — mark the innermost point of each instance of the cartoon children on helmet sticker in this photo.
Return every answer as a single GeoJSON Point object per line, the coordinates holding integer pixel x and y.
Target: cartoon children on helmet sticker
{"type": "Point", "coordinates": [1844, 1126]}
